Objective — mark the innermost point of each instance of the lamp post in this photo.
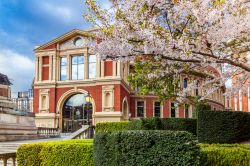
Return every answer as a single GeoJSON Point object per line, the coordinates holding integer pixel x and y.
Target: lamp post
{"type": "Point", "coordinates": [89, 113]}
{"type": "Point", "coordinates": [88, 103]}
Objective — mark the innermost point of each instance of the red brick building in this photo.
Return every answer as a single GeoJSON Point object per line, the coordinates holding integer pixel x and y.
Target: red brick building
{"type": "Point", "coordinates": [240, 101]}
{"type": "Point", "coordinates": [66, 71]}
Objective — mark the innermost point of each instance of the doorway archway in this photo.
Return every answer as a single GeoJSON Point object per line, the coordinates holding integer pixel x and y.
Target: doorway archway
{"type": "Point", "coordinates": [76, 112]}
{"type": "Point", "coordinates": [125, 109]}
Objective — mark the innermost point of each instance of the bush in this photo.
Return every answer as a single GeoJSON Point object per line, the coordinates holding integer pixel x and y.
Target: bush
{"type": "Point", "coordinates": [223, 126]}
{"type": "Point", "coordinates": [189, 125]}
{"type": "Point", "coordinates": [145, 148]}
{"type": "Point", "coordinates": [225, 154]}
{"type": "Point", "coordinates": [111, 126]}
{"type": "Point", "coordinates": [175, 124]}
{"type": "Point", "coordinates": [63, 153]}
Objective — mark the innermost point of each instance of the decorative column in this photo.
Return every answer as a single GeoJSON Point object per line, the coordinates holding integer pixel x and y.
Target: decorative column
{"type": "Point", "coordinates": [98, 65]}
{"type": "Point", "coordinates": [114, 68]}
{"type": "Point", "coordinates": [119, 68]}
{"type": "Point", "coordinates": [102, 68]}
{"type": "Point", "coordinates": [54, 67]}
{"type": "Point", "coordinates": [86, 64]}
{"type": "Point", "coordinates": [68, 67]}
{"type": "Point", "coordinates": [36, 69]}
{"type": "Point", "coordinates": [50, 67]}
{"type": "Point", "coordinates": [40, 67]}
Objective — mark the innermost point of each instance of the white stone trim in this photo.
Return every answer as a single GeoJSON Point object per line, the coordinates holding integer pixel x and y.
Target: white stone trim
{"type": "Point", "coordinates": [44, 93]}
{"type": "Point", "coordinates": [125, 99]}
{"type": "Point", "coordinates": [161, 109]}
{"type": "Point", "coordinates": [145, 108]}
{"type": "Point", "coordinates": [108, 89]}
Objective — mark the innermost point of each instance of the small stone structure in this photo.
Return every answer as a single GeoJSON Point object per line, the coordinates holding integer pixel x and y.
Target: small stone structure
{"type": "Point", "coordinates": [14, 125]}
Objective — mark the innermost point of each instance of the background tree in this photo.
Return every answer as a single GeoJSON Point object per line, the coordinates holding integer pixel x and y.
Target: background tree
{"type": "Point", "coordinates": [180, 37]}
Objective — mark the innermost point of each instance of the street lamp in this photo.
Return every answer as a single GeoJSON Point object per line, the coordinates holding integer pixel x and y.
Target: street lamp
{"type": "Point", "coordinates": [89, 113]}
{"type": "Point", "coordinates": [88, 104]}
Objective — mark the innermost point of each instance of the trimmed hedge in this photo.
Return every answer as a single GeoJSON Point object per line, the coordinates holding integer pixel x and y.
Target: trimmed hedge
{"type": "Point", "coordinates": [225, 154]}
{"type": "Point", "coordinates": [111, 126]}
{"type": "Point", "coordinates": [223, 126]}
{"type": "Point", "coordinates": [175, 124]}
{"type": "Point", "coordinates": [145, 148]}
{"type": "Point", "coordinates": [63, 153]}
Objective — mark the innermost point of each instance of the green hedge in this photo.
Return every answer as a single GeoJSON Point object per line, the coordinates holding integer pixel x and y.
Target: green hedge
{"type": "Point", "coordinates": [223, 126]}
{"type": "Point", "coordinates": [63, 153]}
{"type": "Point", "coordinates": [225, 154]}
{"type": "Point", "coordinates": [111, 126]}
{"type": "Point", "coordinates": [175, 124]}
{"type": "Point", "coordinates": [145, 148]}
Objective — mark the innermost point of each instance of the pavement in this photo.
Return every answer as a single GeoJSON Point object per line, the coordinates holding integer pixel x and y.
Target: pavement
{"type": "Point", "coordinates": [11, 146]}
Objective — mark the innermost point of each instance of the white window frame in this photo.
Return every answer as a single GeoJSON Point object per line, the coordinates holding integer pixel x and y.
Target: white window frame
{"type": "Point", "coordinates": [144, 110]}
{"type": "Point", "coordinates": [161, 108]}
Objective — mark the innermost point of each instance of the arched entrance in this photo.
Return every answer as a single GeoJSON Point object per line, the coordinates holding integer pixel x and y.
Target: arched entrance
{"type": "Point", "coordinates": [76, 111]}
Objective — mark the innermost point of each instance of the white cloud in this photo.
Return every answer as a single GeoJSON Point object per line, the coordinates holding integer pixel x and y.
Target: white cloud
{"type": "Point", "coordinates": [19, 68]}
{"type": "Point", "coordinates": [55, 10]}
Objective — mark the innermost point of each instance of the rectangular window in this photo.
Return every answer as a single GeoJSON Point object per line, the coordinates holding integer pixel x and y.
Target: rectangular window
{"type": "Point", "coordinates": [157, 109]}
{"type": "Point", "coordinates": [77, 68]}
{"type": "Point", "coordinates": [92, 66]}
{"type": "Point", "coordinates": [186, 111]}
{"type": "Point", "coordinates": [63, 67]}
{"type": "Point", "coordinates": [172, 110]}
{"type": "Point", "coordinates": [140, 108]}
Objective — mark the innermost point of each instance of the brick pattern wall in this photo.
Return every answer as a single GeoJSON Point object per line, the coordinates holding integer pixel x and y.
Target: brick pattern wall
{"type": "Point", "coordinates": [45, 68]}
{"type": "Point", "coordinates": [4, 92]}
{"type": "Point", "coordinates": [108, 68]}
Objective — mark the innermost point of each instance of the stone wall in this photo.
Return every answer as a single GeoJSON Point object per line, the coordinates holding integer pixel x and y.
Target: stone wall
{"type": "Point", "coordinates": [16, 127]}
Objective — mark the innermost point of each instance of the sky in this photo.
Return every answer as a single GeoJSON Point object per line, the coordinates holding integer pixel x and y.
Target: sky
{"type": "Point", "coordinates": [27, 23]}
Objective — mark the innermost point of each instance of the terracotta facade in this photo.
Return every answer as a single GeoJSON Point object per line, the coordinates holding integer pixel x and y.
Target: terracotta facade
{"type": "Point", "coordinates": [112, 97]}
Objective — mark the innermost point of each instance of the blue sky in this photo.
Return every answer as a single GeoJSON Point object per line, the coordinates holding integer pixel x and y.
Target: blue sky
{"type": "Point", "coordinates": [27, 23]}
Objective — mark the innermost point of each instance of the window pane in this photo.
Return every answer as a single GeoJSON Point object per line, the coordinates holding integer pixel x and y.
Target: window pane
{"type": "Point", "coordinates": [92, 70]}
{"type": "Point", "coordinates": [140, 109]}
{"type": "Point", "coordinates": [74, 72]}
{"type": "Point", "coordinates": [172, 110]}
{"type": "Point", "coordinates": [80, 72]}
{"type": "Point", "coordinates": [74, 60]}
{"type": "Point", "coordinates": [77, 67]}
{"type": "Point", "coordinates": [63, 72]}
{"type": "Point", "coordinates": [63, 76]}
{"type": "Point", "coordinates": [157, 109]}
{"type": "Point", "coordinates": [80, 59]}
{"type": "Point", "coordinates": [186, 111]}
{"type": "Point", "coordinates": [92, 58]}
{"type": "Point", "coordinates": [63, 61]}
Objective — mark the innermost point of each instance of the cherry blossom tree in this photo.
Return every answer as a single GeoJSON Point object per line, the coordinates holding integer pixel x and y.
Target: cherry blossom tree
{"type": "Point", "coordinates": [183, 37]}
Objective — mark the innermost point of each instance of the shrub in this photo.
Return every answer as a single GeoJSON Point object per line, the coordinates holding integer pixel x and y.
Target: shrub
{"type": "Point", "coordinates": [189, 125]}
{"type": "Point", "coordinates": [63, 153]}
{"type": "Point", "coordinates": [225, 154]}
{"type": "Point", "coordinates": [175, 124]}
{"type": "Point", "coordinates": [223, 126]}
{"type": "Point", "coordinates": [145, 148]}
{"type": "Point", "coordinates": [111, 126]}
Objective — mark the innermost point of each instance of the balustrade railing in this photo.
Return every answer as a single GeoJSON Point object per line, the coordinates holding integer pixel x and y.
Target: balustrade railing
{"type": "Point", "coordinates": [6, 156]}
{"type": "Point", "coordinates": [83, 133]}
{"type": "Point", "coordinates": [48, 132]}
